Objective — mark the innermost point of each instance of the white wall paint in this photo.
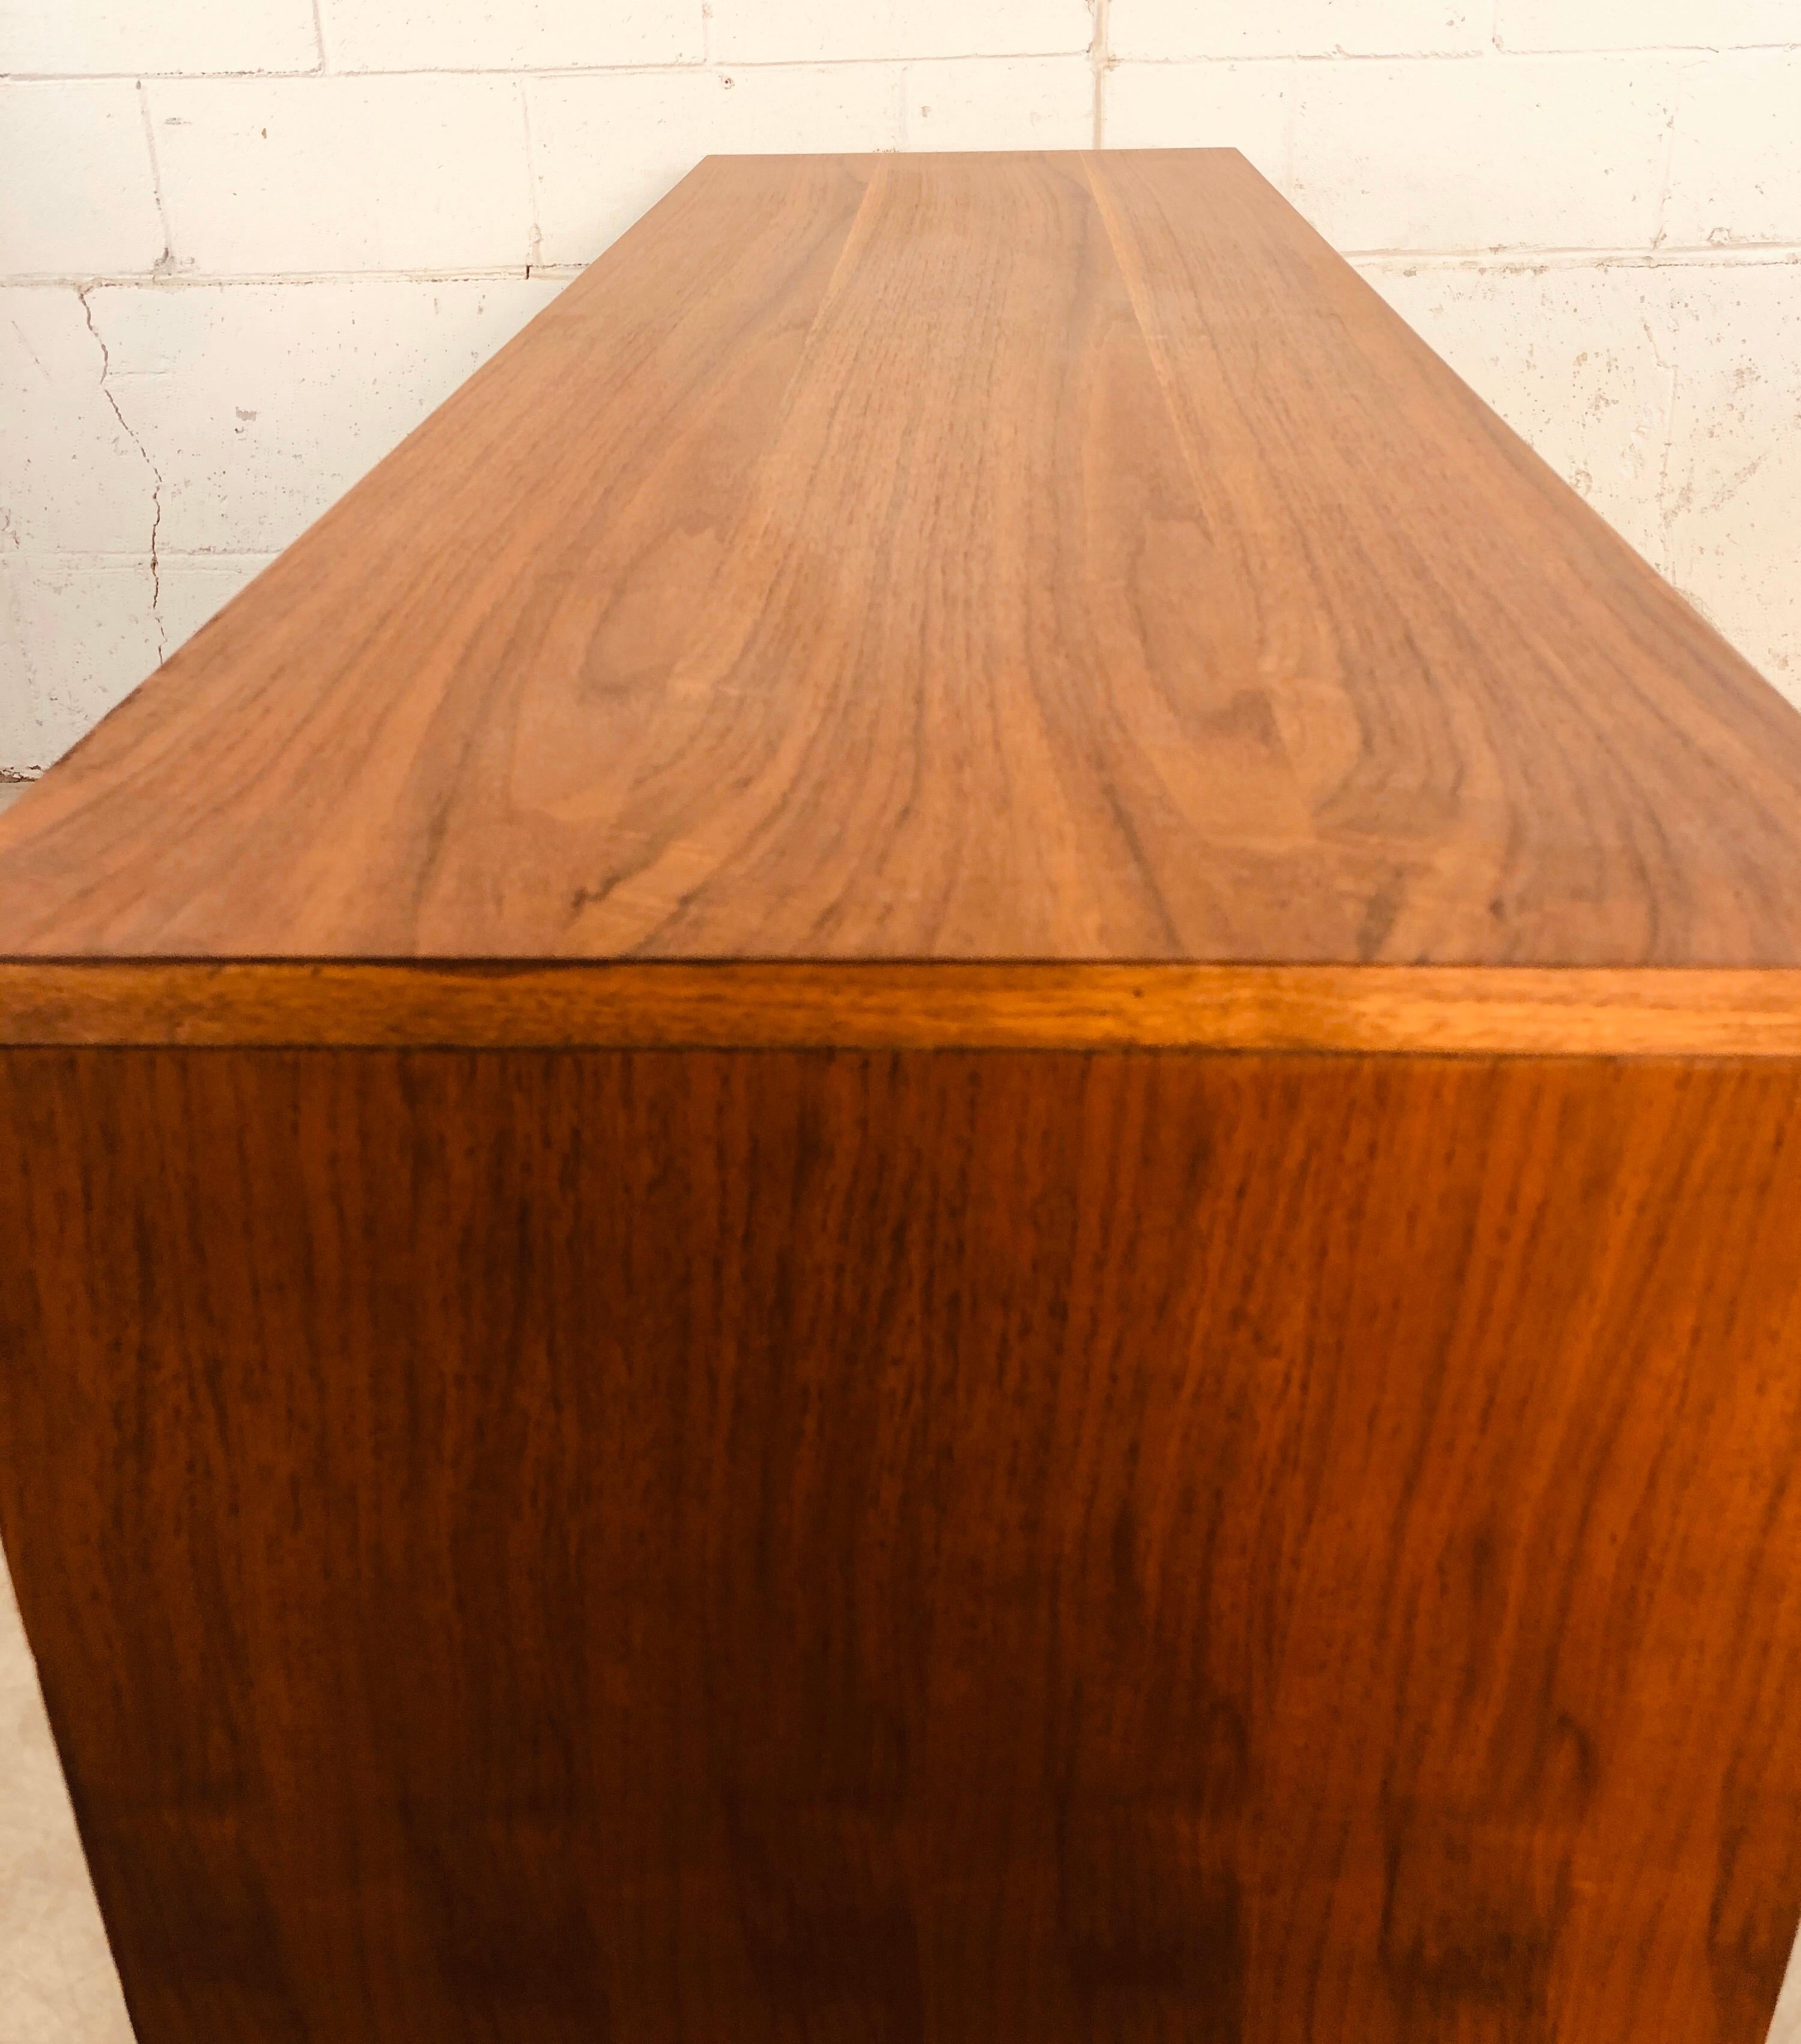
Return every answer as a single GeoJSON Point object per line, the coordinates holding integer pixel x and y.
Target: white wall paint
{"type": "Point", "coordinates": [245, 244]}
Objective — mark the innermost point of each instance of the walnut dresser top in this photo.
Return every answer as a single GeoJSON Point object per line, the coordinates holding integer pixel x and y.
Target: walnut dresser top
{"type": "Point", "coordinates": [1060, 566]}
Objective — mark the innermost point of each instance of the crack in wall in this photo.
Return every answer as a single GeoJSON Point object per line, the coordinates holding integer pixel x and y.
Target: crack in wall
{"type": "Point", "coordinates": [155, 478]}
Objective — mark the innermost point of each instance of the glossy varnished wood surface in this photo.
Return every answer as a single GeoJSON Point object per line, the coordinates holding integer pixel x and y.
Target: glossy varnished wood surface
{"type": "Point", "coordinates": [1389, 1010]}
{"type": "Point", "coordinates": [655, 1385]}
{"type": "Point", "coordinates": [1006, 557]}
{"type": "Point", "coordinates": [868, 1548]}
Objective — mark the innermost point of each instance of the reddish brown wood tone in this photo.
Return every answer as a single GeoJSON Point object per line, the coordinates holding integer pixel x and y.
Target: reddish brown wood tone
{"type": "Point", "coordinates": [849, 1546]}
{"type": "Point", "coordinates": [1023, 557]}
{"type": "Point", "coordinates": [922, 1165]}
{"type": "Point", "coordinates": [882, 1005]}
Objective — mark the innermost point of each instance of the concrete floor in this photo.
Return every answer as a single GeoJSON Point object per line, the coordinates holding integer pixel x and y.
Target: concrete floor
{"type": "Point", "coordinates": [57, 1984]}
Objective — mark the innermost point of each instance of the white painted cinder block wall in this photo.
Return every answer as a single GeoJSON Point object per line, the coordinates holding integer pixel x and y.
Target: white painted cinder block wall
{"type": "Point", "coordinates": [245, 244]}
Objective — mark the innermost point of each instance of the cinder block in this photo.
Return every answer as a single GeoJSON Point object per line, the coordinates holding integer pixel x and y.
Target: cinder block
{"type": "Point", "coordinates": [260, 405]}
{"type": "Point", "coordinates": [75, 168]}
{"type": "Point", "coordinates": [84, 634]}
{"type": "Point", "coordinates": [1520, 152]}
{"type": "Point", "coordinates": [71, 479]}
{"type": "Point", "coordinates": [1247, 106]}
{"type": "Point", "coordinates": [1735, 168]}
{"type": "Point", "coordinates": [1643, 25]}
{"type": "Point", "coordinates": [1734, 489]}
{"type": "Point", "coordinates": [818, 31]}
{"type": "Point", "coordinates": [133, 38]}
{"type": "Point", "coordinates": [607, 146]}
{"type": "Point", "coordinates": [196, 587]}
{"type": "Point", "coordinates": [802, 31]}
{"type": "Point", "coordinates": [1158, 30]}
{"type": "Point", "coordinates": [266, 175]}
{"type": "Point", "coordinates": [501, 35]}
{"type": "Point", "coordinates": [992, 103]}
{"type": "Point", "coordinates": [1579, 361]}
{"type": "Point", "coordinates": [21, 741]}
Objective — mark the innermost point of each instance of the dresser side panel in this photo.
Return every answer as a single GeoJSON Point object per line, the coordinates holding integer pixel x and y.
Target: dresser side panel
{"type": "Point", "coordinates": [892, 1546]}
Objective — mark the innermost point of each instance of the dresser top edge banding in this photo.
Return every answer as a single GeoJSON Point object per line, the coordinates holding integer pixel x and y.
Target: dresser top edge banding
{"type": "Point", "coordinates": [730, 1005]}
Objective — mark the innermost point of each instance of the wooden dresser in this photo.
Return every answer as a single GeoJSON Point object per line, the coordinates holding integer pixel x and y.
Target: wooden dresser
{"type": "Point", "coordinates": [922, 1165]}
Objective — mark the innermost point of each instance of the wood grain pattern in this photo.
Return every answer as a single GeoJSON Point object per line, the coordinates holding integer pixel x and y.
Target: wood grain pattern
{"type": "Point", "coordinates": [884, 1546]}
{"type": "Point", "coordinates": [656, 1386]}
{"type": "Point", "coordinates": [1000, 557]}
{"type": "Point", "coordinates": [1391, 1010]}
